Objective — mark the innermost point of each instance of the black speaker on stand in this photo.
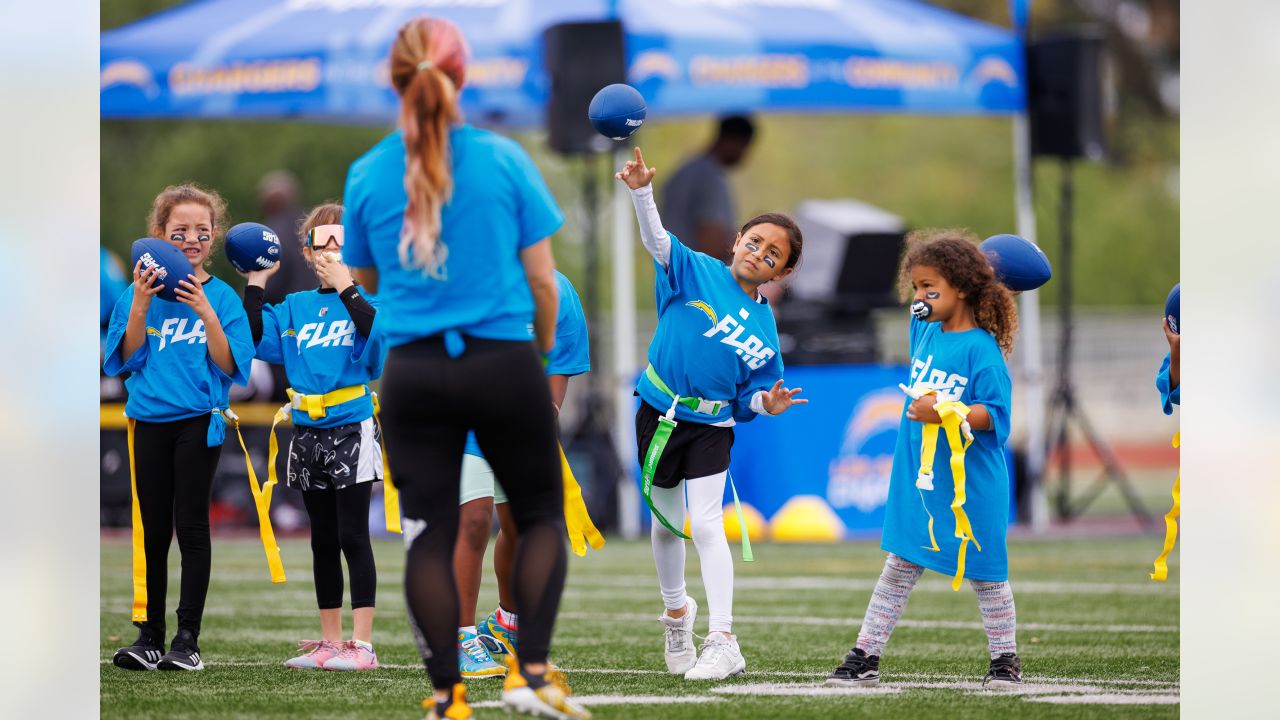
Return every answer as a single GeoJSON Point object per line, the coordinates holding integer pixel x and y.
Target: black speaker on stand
{"type": "Point", "coordinates": [580, 59]}
{"type": "Point", "coordinates": [1065, 104]}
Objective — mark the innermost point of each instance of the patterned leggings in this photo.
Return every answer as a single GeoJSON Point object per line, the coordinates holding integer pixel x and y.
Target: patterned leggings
{"type": "Point", "coordinates": [995, 602]}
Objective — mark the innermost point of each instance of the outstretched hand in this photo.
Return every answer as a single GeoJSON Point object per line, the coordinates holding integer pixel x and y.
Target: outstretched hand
{"type": "Point", "coordinates": [778, 399]}
{"type": "Point", "coordinates": [635, 174]}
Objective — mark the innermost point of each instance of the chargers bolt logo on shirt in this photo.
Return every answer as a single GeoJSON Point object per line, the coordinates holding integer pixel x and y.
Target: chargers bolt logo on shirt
{"type": "Point", "coordinates": [177, 328]}
{"type": "Point", "coordinates": [950, 386]}
{"type": "Point", "coordinates": [751, 350]}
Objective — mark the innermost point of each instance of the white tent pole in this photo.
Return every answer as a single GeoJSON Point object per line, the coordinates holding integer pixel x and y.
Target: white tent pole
{"type": "Point", "coordinates": [624, 350]}
{"type": "Point", "coordinates": [1032, 380]}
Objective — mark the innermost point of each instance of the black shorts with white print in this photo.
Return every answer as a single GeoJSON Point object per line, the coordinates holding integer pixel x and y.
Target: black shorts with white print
{"type": "Point", "coordinates": [334, 458]}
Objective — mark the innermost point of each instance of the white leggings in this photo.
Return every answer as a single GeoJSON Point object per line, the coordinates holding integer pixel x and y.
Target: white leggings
{"type": "Point", "coordinates": [706, 523]}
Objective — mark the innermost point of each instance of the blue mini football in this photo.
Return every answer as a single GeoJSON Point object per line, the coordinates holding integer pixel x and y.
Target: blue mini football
{"type": "Point", "coordinates": [1018, 263]}
{"type": "Point", "coordinates": [617, 111]}
{"type": "Point", "coordinates": [252, 246]}
{"type": "Point", "coordinates": [1173, 308]}
{"type": "Point", "coordinates": [174, 266]}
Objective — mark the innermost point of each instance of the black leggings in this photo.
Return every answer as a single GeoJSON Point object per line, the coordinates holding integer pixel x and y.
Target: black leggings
{"type": "Point", "coordinates": [174, 467]}
{"type": "Point", "coordinates": [429, 403]}
{"type": "Point", "coordinates": [340, 526]}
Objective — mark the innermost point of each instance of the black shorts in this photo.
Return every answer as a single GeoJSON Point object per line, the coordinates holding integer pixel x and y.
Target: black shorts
{"type": "Point", "coordinates": [334, 458]}
{"type": "Point", "coordinates": [694, 449]}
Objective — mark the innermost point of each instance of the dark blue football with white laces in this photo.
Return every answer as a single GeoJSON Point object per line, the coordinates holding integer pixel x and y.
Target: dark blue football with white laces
{"type": "Point", "coordinates": [1173, 309]}
{"type": "Point", "coordinates": [1018, 262]}
{"type": "Point", "coordinates": [617, 111]}
{"type": "Point", "coordinates": [173, 265]}
{"type": "Point", "coordinates": [252, 246]}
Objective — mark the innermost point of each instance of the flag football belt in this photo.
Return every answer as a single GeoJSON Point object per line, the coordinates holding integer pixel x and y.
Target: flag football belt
{"type": "Point", "coordinates": [576, 519]}
{"type": "Point", "coordinates": [959, 437]}
{"type": "Point", "coordinates": [1170, 526]}
{"type": "Point", "coordinates": [317, 408]}
{"type": "Point", "coordinates": [666, 424]}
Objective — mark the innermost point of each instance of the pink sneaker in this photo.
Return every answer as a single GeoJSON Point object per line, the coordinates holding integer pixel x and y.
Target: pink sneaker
{"type": "Point", "coordinates": [353, 655]}
{"type": "Point", "coordinates": [315, 653]}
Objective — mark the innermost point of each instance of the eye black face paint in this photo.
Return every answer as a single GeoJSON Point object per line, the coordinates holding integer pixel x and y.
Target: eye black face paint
{"type": "Point", "coordinates": [921, 309]}
{"type": "Point", "coordinates": [769, 261]}
{"type": "Point", "coordinates": [933, 294]}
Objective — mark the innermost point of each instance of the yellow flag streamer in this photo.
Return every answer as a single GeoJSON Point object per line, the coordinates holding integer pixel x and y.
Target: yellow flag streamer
{"type": "Point", "coordinates": [954, 424]}
{"type": "Point", "coordinates": [1170, 526]}
{"type": "Point", "coordinates": [262, 501]}
{"type": "Point", "coordinates": [139, 548]}
{"type": "Point", "coordinates": [576, 520]}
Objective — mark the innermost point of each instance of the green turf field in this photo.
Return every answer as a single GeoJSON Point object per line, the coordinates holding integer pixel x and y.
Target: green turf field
{"type": "Point", "coordinates": [1096, 638]}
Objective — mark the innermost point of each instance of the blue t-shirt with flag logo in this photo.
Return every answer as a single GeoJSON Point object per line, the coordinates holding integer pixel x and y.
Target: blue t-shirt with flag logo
{"type": "Point", "coordinates": [571, 355]}
{"type": "Point", "coordinates": [500, 206]}
{"type": "Point", "coordinates": [173, 375]}
{"type": "Point", "coordinates": [713, 341]}
{"type": "Point", "coordinates": [967, 363]}
{"type": "Point", "coordinates": [312, 335]}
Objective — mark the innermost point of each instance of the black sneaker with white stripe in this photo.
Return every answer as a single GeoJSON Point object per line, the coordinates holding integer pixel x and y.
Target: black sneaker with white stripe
{"type": "Point", "coordinates": [858, 669]}
{"type": "Point", "coordinates": [1005, 672]}
{"type": "Point", "coordinates": [183, 653]}
{"type": "Point", "coordinates": [143, 654]}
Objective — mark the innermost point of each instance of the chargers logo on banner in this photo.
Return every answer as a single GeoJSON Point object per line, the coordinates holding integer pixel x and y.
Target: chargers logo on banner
{"type": "Point", "coordinates": [859, 476]}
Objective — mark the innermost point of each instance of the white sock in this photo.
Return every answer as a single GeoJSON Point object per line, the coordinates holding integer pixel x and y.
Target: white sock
{"type": "Point", "coordinates": [668, 548]}
{"type": "Point", "coordinates": [888, 601]}
{"type": "Point", "coordinates": [507, 618]}
{"type": "Point", "coordinates": [706, 521]}
{"type": "Point", "coordinates": [995, 601]}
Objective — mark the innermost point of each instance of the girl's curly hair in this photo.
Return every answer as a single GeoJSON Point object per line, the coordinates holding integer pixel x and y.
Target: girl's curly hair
{"type": "Point", "coordinates": [954, 253]}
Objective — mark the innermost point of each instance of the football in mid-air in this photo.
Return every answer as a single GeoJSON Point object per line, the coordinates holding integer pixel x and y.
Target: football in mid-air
{"type": "Point", "coordinates": [1018, 262]}
{"type": "Point", "coordinates": [173, 265]}
{"type": "Point", "coordinates": [252, 246]}
{"type": "Point", "coordinates": [617, 111]}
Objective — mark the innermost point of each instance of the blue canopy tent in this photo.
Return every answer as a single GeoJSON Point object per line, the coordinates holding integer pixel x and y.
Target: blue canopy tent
{"type": "Point", "coordinates": [326, 60]}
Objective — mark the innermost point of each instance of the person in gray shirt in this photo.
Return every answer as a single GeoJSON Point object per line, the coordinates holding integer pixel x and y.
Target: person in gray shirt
{"type": "Point", "coordinates": [697, 205]}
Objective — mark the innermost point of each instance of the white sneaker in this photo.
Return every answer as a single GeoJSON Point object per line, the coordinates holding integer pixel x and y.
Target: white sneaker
{"type": "Point", "coordinates": [720, 658]}
{"type": "Point", "coordinates": [679, 652]}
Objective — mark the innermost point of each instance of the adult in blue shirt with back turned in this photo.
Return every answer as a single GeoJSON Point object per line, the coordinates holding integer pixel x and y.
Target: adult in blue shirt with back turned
{"type": "Point", "coordinates": [450, 226]}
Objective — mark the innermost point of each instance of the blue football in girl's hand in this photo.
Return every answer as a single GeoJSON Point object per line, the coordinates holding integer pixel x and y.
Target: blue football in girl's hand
{"type": "Point", "coordinates": [1018, 263]}
{"type": "Point", "coordinates": [174, 266]}
{"type": "Point", "coordinates": [617, 111]}
{"type": "Point", "coordinates": [252, 246]}
{"type": "Point", "coordinates": [1173, 309]}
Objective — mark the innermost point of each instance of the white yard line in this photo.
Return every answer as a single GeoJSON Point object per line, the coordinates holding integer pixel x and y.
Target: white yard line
{"type": "Point", "coordinates": [898, 680]}
{"type": "Point", "coordinates": [855, 622]}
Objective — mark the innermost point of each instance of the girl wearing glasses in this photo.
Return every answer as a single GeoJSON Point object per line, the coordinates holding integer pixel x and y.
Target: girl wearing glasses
{"type": "Point", "coordinates": [328, 341]}
{"type": "Point", "coordinates": [182, 356]}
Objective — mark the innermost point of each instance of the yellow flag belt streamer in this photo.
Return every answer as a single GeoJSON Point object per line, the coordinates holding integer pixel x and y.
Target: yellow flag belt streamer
{"type": "Point", "coordinates": [576, 519]}
{"type": "Point", "coordinates": [262, 501]}
{"type": "Point", "coordinates": [316, 407]}
{"type": "Point", "coordinates": [959, 438]}
{"type": "Point", "coordinates": [666, 424]}
{"type": "Point", "coordinates": [1170, 525]}
{"type": "Point", "coordinates": [139, 549]}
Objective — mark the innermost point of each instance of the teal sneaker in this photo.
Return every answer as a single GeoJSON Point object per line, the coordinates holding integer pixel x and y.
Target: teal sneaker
{"type": "Point", "coordinates": [498, 639]}
{"type": "Point", "coordinates": [473, 658]}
